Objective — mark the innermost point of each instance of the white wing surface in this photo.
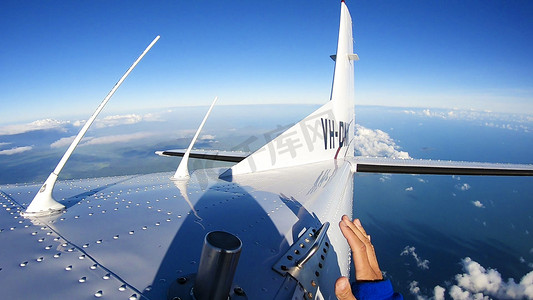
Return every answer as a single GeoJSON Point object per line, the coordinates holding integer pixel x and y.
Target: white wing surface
{"type": "Point", "coordinates": [134, 235]}
{"type": "Point", "coordinates": [141, 236]}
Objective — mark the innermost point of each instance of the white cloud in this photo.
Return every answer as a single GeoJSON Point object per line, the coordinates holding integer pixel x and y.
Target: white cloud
{"type": "Point", "coordinates": [463, 187]}
{"type": "Point", "coordinates": [4, 144]}
{"type": "Point", "coordinates": [33, 126]}
{"type": "Point", "coordinates": [15, 150]}
{"type": "Point", "coordinates": [154, 117]}
{"type": "Point", "coordinates": [478, 203]}
{"type": "Point", "coordinates": [384, 177]}
{"type": "Point", "coordinates": [421, 263]}
{"type": "Point", "coordinates": [516, 122]}
{"type": "Point", "coordinates": [376, 143]}
{"type": "Point", "coordinates": [122, 138]}
{"type": "Point", "coordinates": [515, 127]}
{"type": "Point", "coordinates": [458, 294]}
{"type": "Point", "coordinates": [415, 290]}
{"type": "Point", "coordinates": [409, 189]}
{"type": "Point", "coordinates": [438, 292]}
{"type": "Point", "coordinates": [413, 287]}
{"type": "Point", "coordinates": [207, 137]}
{"type": "Point", "coordinates": [117, 120]}
{"type": "Point", "coordinates": [480, 283]}
{"type": "Point", "coordinates": [79, 123]}
{"type": "Point", "coordinates": [63, 142]}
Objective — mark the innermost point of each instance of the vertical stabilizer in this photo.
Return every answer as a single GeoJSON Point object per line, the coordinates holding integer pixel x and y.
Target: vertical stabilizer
{"type": "Point", "coordinates": [342, 90]}
{"type": "Point", "coordinates": [327, 133]}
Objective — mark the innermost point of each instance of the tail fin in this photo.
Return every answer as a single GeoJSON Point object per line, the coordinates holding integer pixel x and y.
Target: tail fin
{"type": "Point", "coordinates": [325, 134]}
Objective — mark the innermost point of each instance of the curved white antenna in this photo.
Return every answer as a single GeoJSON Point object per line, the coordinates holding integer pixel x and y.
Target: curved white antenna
{"type": "Point", "coordinates": [43, 203]}
{"type": "Point", "coordinates": [182, 173]}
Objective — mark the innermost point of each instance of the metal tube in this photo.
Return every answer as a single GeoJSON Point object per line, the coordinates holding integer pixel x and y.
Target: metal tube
{"type": "Point", "coordinates": [220, 255]}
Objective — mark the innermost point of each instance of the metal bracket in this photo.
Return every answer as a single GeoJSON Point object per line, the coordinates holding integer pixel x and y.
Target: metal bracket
{"type": "Point", "coordinates": [306, 258]}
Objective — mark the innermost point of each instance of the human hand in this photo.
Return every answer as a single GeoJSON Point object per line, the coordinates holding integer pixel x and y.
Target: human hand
{"type": "Point", "coordinates": [364, 257]}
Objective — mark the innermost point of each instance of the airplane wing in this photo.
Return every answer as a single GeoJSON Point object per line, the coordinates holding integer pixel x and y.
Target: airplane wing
{"type": "Point", "coordinates": [133, 236]}
{"type": "Point", "coordinates": [388, 165]}
{"type": "Point", "coordinates": [229, 156]}
{"type": "Point", "coordinates": [438, 167]}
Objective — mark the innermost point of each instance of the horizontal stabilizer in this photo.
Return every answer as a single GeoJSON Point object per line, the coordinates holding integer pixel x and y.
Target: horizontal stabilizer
{"type": "Point", "coordinates": [439, 167]}
{"type": "Point", "coordinates": [231, 156]}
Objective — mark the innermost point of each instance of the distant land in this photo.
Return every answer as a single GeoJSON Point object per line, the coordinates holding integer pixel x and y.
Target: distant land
{"type": "Point", "coordinates": [119, 144]}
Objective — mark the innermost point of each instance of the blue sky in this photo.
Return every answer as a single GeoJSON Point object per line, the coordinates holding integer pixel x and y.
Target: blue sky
{"type": "Point", "coordinates": [60, 58]}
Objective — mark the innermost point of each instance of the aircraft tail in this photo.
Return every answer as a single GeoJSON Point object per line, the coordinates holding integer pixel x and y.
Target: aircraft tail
{"type": "Point", "coordinates": [325, 134]}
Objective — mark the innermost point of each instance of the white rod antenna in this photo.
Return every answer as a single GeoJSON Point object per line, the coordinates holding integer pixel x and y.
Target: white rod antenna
{"type": "Point", "coordinates": [43, 203]}
{"type": "Point", "coordinates": [182, 173]}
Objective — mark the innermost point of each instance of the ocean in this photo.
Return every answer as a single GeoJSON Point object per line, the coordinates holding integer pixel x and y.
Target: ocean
{"type": "Point", "coordinates": [436, 236]}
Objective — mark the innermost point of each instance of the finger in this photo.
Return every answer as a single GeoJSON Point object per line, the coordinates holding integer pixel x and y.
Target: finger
{"type": "Point", "coordinates": [356, 243]}
{"type": "Point", "coordinates": [370, 253]}
{"type": "Point", "coordinates": [372, 258]}
{"type": "Point", "coordinates": [363, 268]}
{"type": "Point", "coordinates": [359, 226]}
{"type": "Point", "coordinates": [357, 230]}
{"type": "Point", "coordinates": [343, 290]}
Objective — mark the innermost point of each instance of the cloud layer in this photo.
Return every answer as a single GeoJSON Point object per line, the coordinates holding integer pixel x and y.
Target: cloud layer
{"type": "Point", "coordinates": [478, 283]}
{"type": "Point", "coordinates": [15, 150]}
{"type": "Point", "coordinates": [33, 126]}
{"type": "Point", "coordinates": [376, 143]}
{"type": "Point", "coordinates": [119, 138]}
{"type": "Point", "coordinates": [421, 263]}
{"type": "Point", "coordinates": [48, 124]}
{"type": "Point", "coordinates": [515, 122]}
